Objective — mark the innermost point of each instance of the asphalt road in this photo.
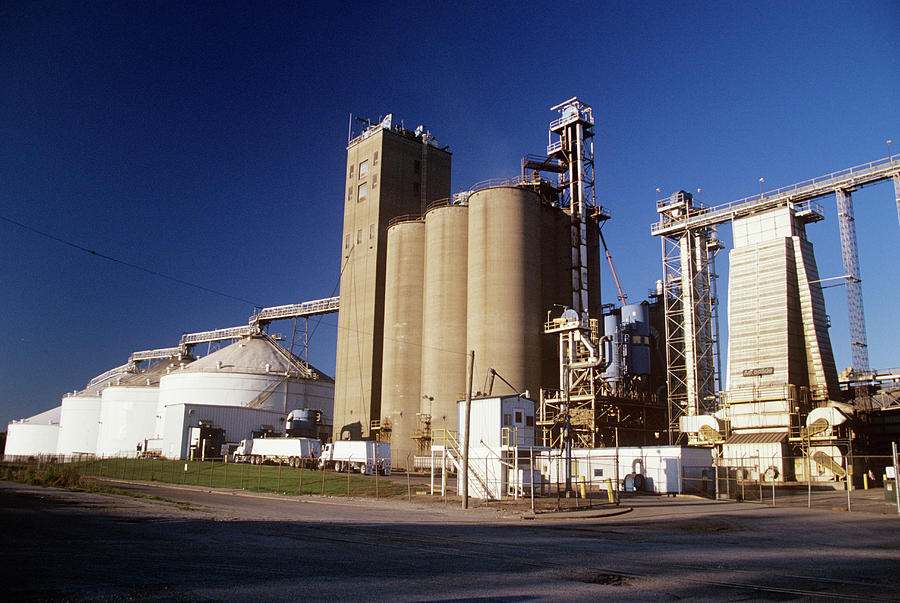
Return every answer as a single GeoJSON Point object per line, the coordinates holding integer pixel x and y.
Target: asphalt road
{"type": "Point", "coordinates": [230, 546]}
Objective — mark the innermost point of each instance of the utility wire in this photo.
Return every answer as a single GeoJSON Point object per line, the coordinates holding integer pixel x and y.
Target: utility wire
{"type": "Point", "coordinates": [129, 264]}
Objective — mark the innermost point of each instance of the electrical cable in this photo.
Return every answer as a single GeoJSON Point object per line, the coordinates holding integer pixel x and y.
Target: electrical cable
{"type": "Point", "coordinates": [129, 264]}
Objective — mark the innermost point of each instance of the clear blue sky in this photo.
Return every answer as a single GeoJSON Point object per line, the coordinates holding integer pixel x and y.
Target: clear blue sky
{"type": "Point", "coordinates": [206, 141]}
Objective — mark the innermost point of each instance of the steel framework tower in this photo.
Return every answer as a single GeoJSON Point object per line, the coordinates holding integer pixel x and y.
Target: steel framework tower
{"type": "Point", "coordinates": [858, 346]}
{"type": "Point", "coordinates": [574, 149]}
{"type": "Point", "coordinates": [691, 313]}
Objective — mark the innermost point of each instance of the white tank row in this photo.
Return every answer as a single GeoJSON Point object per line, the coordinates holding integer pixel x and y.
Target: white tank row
{"type": "Point", "coordinates": [243, 387]}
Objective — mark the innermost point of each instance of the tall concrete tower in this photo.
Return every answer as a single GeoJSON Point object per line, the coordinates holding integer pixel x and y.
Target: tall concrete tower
{"type": "Point", "coordinates": [391, 172]}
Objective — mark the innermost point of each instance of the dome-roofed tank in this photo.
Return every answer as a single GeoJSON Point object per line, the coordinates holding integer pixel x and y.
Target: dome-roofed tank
{"type": "Point", "coordinates": [253, 372]}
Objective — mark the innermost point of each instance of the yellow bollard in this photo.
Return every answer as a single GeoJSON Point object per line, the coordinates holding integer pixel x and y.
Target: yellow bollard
{"type": "Point", "coordinates": [865, 481]}
{"type": "Point", "coordinates": [609, 490]}
{"type": "Point", "coordinates": [583, 489]}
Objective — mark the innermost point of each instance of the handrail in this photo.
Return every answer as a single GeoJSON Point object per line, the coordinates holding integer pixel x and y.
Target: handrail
{"type": "Point", "coordinates": [872, 171]}
{"type": "Point", "coordinates": [113, 372]}
{"type": "Point", "coordinates": [405, 218]}
{"type": "Point", "coordinates": [309, 308]}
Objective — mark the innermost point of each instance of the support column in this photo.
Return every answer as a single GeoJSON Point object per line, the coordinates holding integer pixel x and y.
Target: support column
{"type": "Point", "coordinates": [858, 346]}
{"type": "Point", "coordinates": [897, 194]}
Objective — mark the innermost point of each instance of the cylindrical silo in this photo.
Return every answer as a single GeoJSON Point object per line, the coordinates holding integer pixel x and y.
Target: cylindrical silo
{"type": "Point", "coordinates": [444, 314]}
{"type": "Point", "coordinates": [556, 277]}
{"type": "Point", "coordinates": [79, 424]}
{"type": "Point", "coordinates": [504, 295]}
{"type": "Point", "coordinates": [401, 374]}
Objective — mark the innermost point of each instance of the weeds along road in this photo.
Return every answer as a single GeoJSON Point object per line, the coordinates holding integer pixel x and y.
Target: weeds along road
{"type": "Point", "coordinates": [202, 545]}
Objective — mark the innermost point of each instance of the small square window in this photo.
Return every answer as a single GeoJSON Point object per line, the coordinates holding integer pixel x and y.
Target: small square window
{"type": "Point", "coordinates": [371, 231]}
{"type": "Point", "coordinates": [507, 420]}
{"type": "Point", "coordinates": [347, 242]}
{"type": "Point", "coordinates": [349, 193]}
{"type": "Point", "coordinates": [374, 180]}
{"type": "Point", "coordinates": [529, 421]}
{"type": "Point", "coordinates": [518, 416]}
{"type": "Point", "coordinates": [359, 236]}
{"type": "Point", "coordinates": [350, 175]}
{"type": "Point", "coordinates": [364, 168]}
{"type": "Point", "coordinates": [363, 191]}
{"type": "Point", "coordinates": [375, 158]}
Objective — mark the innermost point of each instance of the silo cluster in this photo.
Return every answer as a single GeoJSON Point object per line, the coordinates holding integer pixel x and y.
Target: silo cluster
{"type": "Point", "coordinates": [476, 272]}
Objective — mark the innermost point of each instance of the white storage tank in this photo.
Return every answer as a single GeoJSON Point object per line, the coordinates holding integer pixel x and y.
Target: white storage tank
{"type": "Point", "coordinates": [128, 409]}
{"type": "Point", "coordinates": [34, 437]}
{"type": "Point", "coordinates": [79, 424]}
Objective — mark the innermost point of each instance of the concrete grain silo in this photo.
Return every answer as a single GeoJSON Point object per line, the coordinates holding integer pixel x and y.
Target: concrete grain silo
{"type": "Point", "coordinates": [402, 348]}
{"type": "Point", "coordinates": [504, 295]}
{"type": "Point", "coordinates": [444, 314]}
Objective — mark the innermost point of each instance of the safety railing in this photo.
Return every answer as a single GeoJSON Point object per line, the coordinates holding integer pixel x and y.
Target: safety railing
{"type": "Point", "coordinates": [813, 187]}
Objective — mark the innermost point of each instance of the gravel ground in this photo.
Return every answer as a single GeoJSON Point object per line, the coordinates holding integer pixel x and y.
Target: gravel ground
{"type": "Point", "coordinates": [202, 545]}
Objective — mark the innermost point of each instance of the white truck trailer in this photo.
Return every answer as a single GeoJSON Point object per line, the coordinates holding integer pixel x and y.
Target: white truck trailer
{"type": "Point", "coordinates": [362, 456]}
{"type": "Point", "coordinates": [296, 452]}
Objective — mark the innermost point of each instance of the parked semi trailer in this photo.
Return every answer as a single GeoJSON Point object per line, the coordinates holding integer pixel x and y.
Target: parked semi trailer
{"type": "Point", "coordinates": [361, 456]}
{"type": "Point", "coordinates": [296, 452]}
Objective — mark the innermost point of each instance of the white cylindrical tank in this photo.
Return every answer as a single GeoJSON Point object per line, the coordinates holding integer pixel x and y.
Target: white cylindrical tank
{"type": "Point", "coordinates": [127, 418]}
{"type": "Point", "coordinates": [34, 437]}
{"type": "Point", "coordinates": [402, 351]}
{"type": "Point", "coordinates": [79, 425]}
{"type": "Point", "coordinates": [504, 293]}
{"type": "Point", "coordinates": [444, 314]}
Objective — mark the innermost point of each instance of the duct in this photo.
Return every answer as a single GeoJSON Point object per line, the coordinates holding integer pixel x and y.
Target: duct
{"type": "Point", "coordinates": [596, 356]}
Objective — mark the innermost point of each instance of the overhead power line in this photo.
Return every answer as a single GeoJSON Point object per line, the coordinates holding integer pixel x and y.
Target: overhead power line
{"type": "Point", "coordinates": [129, 264]}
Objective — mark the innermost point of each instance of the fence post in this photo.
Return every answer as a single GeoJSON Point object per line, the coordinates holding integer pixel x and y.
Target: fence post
{"type": "Point", "coordinates": [324, 471]}
{"type": "Point", "coordinates": [259, 478]}
{"type": "Point", "coordinates": [348, 478]}
{"type": "Point", "coordinates": [300, 483]}
{"type": "Point", "coordinates": [531, 475]}
{"type": "Point", "coordinates": [408, 491]}
{"type": "Point", "coordinates": [278, 479]}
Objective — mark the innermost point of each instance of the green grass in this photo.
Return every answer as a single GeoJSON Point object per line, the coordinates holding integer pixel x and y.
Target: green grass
{"type": "Point", "coordinates": [253, 478]}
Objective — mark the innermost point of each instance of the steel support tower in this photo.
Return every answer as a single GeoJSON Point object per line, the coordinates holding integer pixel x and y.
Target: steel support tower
{"type": "Point", "coordinates": [859, 351]}
{"type": "Point", "coordinates": [691, 313]}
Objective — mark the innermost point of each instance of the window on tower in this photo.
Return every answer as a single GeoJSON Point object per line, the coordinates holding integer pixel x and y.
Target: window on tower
{"type": "Point", "coordinates": [364, 168]}
{"type": "Point", "coordinates": [363, 191]}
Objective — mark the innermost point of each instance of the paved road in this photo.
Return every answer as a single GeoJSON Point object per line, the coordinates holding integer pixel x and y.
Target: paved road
{"type": "Point", "coordinates": [224, 546]}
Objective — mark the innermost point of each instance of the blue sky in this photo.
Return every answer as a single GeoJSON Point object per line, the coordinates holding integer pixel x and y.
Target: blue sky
{"type": "Point", "coordinates": [206, 141]}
